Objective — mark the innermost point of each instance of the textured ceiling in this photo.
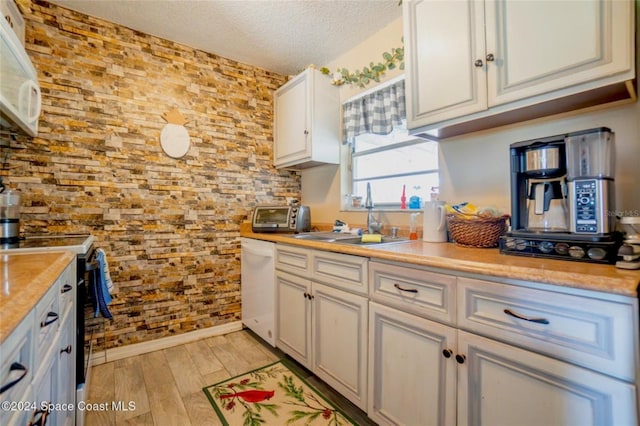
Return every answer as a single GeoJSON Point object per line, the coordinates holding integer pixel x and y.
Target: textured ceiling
{"type": "Point", "coordinates": [280, 36]}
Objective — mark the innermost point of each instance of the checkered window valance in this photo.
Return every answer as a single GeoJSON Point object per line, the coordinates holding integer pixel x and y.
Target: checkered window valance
{"type": "Point", "coordinates": [377, 112]}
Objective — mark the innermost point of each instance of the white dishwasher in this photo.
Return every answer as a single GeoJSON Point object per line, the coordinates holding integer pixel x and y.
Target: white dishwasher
{"type": "Point", "coordinates": [257, 270]}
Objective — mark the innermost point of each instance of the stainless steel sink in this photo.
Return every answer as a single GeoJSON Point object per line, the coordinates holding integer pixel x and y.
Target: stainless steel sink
{"type": "Point", "coordinates": [358, 241]}
{"type": "Point", "coordinates": [320, 236]}
{"type": "Point", "coordinates": [338, 238]}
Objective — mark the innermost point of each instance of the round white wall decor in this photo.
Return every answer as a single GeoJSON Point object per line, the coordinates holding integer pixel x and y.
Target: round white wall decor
{"type": "Point", "coordinates": [174, 140]}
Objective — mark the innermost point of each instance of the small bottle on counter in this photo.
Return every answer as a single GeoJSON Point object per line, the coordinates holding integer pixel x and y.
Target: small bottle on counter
{"type": "Point", "coordinates": [413, 226]}
{"type": "Point", "coordinates": [435, 193]}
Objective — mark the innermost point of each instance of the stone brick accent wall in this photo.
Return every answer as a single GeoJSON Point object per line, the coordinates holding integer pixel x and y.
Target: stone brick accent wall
{"type": "Point", "coordinates": [170, 227]}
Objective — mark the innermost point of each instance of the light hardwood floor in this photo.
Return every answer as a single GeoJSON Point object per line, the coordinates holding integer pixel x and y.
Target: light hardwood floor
{"type": "Point", "coordinates": [166, 385]}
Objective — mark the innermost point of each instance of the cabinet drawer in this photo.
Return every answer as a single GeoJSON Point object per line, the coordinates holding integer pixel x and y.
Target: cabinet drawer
{"type": "Point", "coordinates": [16, 363]}
{"type": "Point", "coordinates": [67, 289]}
{"type": "Point", "coordinates": [585, 330]}
{"type": "Point", "coordinates": [48, 318]}
{"type": "Point", "coordinates": [293, 259]}
{"type": "Point", "coordinates": [341, 271]}
{"type": "Point", "coordinates": [428, 294]}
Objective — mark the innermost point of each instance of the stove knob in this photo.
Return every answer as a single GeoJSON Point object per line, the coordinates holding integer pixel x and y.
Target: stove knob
{"type": "Point", "coordinates": [562, 248]}
{"type": "Point", "coordinates": [545, 246]}
{"type": "Point", "coordinates": [521, 244]}
{"type": "Point", "coordinates": [576, 252]}
{"type": "Point", "coordinates": [510, 243]}
{"type": "Point", "coordinates": [597, 253]}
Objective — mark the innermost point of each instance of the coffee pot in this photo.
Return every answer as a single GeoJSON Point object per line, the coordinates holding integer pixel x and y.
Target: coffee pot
{"type": "Point", "coordinates": [546, 206]}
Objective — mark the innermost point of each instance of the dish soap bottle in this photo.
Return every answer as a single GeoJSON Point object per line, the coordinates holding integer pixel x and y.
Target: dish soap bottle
{"type": "Point", "coordinates": [413, 226]}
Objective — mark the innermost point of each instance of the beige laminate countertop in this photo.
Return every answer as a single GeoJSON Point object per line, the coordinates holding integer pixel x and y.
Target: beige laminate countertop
{"type": "Point", "coordinates": [25, 279]}
{"type": "Point", "coordinates": [587, 276]}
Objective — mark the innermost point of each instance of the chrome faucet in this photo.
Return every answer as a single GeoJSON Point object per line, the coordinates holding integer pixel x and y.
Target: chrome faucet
{"type": "Point", "coordinates": [373, 225]}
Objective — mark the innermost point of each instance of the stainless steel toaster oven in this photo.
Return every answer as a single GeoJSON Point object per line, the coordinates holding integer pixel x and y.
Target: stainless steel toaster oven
{"type": "Point", "coordinates": [281, 219]}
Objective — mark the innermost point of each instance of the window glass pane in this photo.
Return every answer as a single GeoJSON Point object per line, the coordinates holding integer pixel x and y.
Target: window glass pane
{"type": "Point", "coordinates": [389, 191]}
{"type": "Point", "coordinates": [406, 159]}
{"type": "Point", "coordinates": [369, 141]}
{"type": "Point", "coordinates": [390, 161]}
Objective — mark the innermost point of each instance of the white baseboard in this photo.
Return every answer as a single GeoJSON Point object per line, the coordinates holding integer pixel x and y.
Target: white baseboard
{"type": "Point", "coordinates": [163, 343]}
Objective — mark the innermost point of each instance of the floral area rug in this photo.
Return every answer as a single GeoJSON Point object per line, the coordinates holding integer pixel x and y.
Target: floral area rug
{"type": "Point", "coordinates": [272, 395]}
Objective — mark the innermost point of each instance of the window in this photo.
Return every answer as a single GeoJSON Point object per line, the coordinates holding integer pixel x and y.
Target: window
{"type": "Point", "coordinates": [380, 151]}
{"type": "Point", "coordinates": [388, 162]}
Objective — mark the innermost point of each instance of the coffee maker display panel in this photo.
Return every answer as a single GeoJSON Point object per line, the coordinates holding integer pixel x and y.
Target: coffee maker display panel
{"type": "Point", "coordinates": [590, 199]}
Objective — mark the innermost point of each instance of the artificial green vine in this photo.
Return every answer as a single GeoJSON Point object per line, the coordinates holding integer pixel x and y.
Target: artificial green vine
{"type": "Point", "coordinates": [373, 72]}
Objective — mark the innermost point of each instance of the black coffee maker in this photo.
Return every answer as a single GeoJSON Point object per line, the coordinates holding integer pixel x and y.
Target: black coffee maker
{"type": "Point", "coordinates": [544, 207]}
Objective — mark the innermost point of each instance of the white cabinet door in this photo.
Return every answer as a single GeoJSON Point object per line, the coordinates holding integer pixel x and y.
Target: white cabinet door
{"type": "Point", "coordinates": [443, 41]}
{"type": "Point", "coordinates": [293, 317]}
{"type": "Point", "coordinates": [340, 341]}
{"type": "Point", "coordinates": [499, 384]}
{"type": "Point", "coordinates": [66, 352]}
{"type": "Point", "coordinates": [16, 364]}
{"type": "Point", "coordinates": [472, 59]}
{"type": "Point", "coordinates": [292, 121]}
{"type": "Point", "coordinates": [540, 47]}
{"type": "Point", "coordinates": [45, 385]}
{"type": "Point", "coordinates": [306, 122]}
{"type": "Point", "coordinates": [411, 381]}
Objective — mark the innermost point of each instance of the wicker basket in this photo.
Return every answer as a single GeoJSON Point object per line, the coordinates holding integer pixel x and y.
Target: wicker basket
{"type": "Point", "coordinates": [477, 232]}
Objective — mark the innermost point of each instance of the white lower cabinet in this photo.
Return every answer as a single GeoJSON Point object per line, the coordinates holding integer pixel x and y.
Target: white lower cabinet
{"type": "Point", "coordinates": [293, 317]}
{"type": "Point", "coordinates": [499, 384]}
{"type": "Point", "coordinates": [45, 385]}
{"type": "Point", "coordinates": [434, 347]}
{"type": "Point", "coordinates": [340, 341]}
{"type": "Point", "coordinates": [425, 373]}
{"type": "Point", "coordinates": [410, 380]}
{"type": "Point", "coordinates": [322, 326]}
{"type": "Point", "coordinates": [37, 360]}
{"type": "Point", "coordinates": [515, 355]}
{"type": "Point", "coordinates": [67, 378]}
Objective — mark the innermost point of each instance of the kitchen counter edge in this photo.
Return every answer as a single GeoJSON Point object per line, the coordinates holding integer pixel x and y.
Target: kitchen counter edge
{"type": "Point", "coordinates": [30, 276]}
{"type": "Point", "coordinates": [484, 261]}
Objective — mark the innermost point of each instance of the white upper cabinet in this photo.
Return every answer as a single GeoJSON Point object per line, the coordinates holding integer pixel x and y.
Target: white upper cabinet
{"type": "Point", "coordinates": [479, 64]}
{"type": "Point", "coordinates": [561, 44]}
{"type": "Point", "coordinates": [307, 122]}
{"type": "Point", "coordinates": [442, 42]}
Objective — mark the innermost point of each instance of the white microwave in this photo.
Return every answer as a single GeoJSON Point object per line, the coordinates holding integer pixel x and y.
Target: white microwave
{"type": "Point", "coordinates": [20, 99]}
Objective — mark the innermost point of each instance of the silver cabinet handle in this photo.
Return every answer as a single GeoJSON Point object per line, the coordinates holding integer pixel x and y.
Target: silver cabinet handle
{"type": "Point", "coordinates": [490, 57]}
{"type": "Point", "coordinates": [524, 318]}
{"type": "Point", "coordinates": [408, 290]}
{"type": "Point", "coordinates": [478, 63]}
